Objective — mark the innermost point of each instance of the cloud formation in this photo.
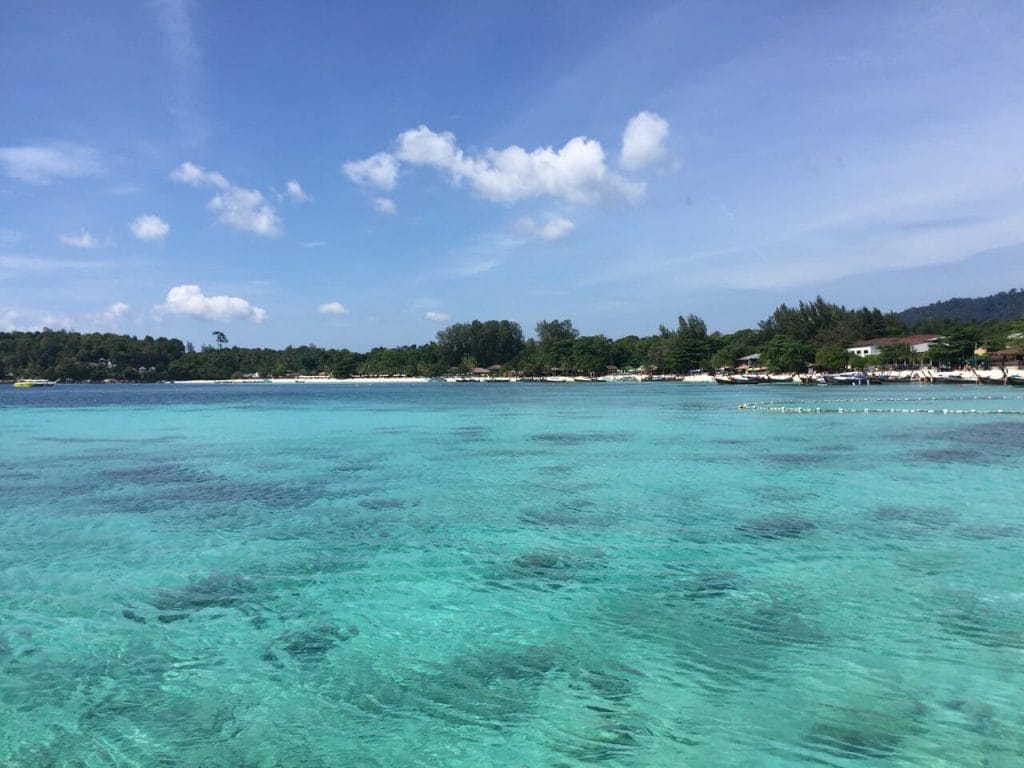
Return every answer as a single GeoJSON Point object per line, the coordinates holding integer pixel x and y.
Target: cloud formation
{"type": "Point", "coordinates": [332, 308]}
{"type": "Point", "coordinates": [384, 205]}
{"type": "Point", "coordinates": [576, 173]}
{"type": "Point", "coordinates": [150, 227]}
{"type": "Point", "coordinates": [643, 141]}
{"type": "Point", "coordinates": [45, 163]}
{"type": "Point", "coordinates": [117, 309]}
{"type": "Point", "coordinates": [555, 228]}
{"type": "Point", "coordinates": [189, 300]}
{"type": "Point", "coordinates": [438, 317]}
{"type": "Point", "coordinates": [293, 191]}
{"type": "Point", "coordinates": [241, 208]}
{"type": "Point", "coordinates": [380, 170]}
{"type": "Point", "coordinates": [81, 239]}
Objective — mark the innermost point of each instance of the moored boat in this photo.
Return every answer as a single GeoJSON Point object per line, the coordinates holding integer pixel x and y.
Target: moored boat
{"type": "Point", "coordinates": [737, 379]}
{"type": "Point", "coordinates": [853, 378]}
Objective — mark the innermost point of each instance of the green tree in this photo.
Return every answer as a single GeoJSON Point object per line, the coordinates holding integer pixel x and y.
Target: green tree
{"type": "Point", "coordinates": [898, 355]}
{"type": "Point", "coordinates": [831, 359]}
{"type": "Point", "coordinates": [783, 354]}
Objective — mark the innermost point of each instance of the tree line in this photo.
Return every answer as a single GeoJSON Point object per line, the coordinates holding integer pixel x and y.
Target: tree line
{"type": "Point", "coordinates": [791, 338]}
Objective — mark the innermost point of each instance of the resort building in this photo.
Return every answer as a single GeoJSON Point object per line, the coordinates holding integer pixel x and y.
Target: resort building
{"type": "Point", "coordinates": [918, 343]}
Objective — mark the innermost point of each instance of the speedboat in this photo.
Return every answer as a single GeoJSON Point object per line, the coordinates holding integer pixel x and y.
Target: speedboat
{"type": "Point", "coordinates": [25, 383]}
{"type": "Point", "coordinates": [851, 377]}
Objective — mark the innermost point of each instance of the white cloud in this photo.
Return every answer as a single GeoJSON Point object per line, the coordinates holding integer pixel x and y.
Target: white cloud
{"type": "Point", "coordinates": [643, 141]}
{"type": "Point", "coordinates": [576, 173]}
{"type": "Point", "coordinates": [294, 192]}
{"type": "Point", "coordinates": [150, 227]}
{"type": "Point", "coordinates": [117, 309]}
{"type": "Point", "coordinates": [21, 264]}
{"type": "Point", "coordinates": [332, 308]}
{"type": "Point", "coordinates": [81, 239]}
{"type": "Point", "coordinates": [384, 205]}
{"type": "Point", "coordinates": [189, 300]}
{"type": "Point", "coordinates": [193, 175]}
{"type": "Point", "coordinates": [247, 210]}
{"type": "Point", "coordinates": [44, 163]}
{"type": "Point", "coordinates": [185, 59]}
{"type": "Point", "coordinates": [438, 317]}
{"type": "Point", "coordinates": [380, 170]}
{"type": "Point", "coordinates": [555, 228]}
{"type": "Point", "coordinates": [476, 266]}
{"type": "Point", "coordinates": [241, 208]}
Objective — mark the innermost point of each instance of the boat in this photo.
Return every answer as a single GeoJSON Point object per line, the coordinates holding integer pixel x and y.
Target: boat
{"type": "Point", "coordinates": [854, 378]}
{"type": "Point", "coordinates": [25, 383]}
{"type": "Point", "coordinates": [737, 379]}
{"type": "Point", "coordinates": [1016, 380]}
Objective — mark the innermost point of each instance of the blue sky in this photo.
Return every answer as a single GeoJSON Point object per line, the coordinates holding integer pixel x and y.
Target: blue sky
{"type": "Point", "coordinates": [363, 174]}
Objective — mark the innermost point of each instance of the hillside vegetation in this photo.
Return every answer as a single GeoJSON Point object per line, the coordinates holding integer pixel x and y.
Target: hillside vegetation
{"type": "Point", "coordinates": [1008, 305]}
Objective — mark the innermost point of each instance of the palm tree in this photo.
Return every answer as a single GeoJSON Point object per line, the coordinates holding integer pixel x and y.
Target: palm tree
{"type": "Point", "coordinates": [220, 338]}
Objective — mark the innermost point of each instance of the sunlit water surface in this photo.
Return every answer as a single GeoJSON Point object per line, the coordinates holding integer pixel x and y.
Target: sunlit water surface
{"type": "Point", "coordinates": [511, 575]}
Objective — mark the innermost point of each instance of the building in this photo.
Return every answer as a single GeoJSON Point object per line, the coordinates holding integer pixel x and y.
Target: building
{"type": "Point", "coordinates": [921, 342]}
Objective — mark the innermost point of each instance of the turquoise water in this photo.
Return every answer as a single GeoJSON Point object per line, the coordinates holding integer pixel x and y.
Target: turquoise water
{"type": "Point", "coordinates": [511, 575]}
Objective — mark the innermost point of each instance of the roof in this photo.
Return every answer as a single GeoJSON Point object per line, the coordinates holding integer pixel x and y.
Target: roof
{"type": "Point", "coordinates": [888, 341]}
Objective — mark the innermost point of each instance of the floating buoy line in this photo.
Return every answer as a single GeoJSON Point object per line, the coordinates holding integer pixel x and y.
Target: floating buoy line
{"type": "Point", "coordinates": [849, 405]}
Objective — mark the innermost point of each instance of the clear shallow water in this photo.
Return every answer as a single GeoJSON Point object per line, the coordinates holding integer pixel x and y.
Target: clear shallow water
{"type": "Point", "coordinates": [518, 575]}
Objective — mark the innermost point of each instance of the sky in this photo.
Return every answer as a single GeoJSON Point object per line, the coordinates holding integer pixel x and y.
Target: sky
{"type": "Point", "coordinates": [364, 174]}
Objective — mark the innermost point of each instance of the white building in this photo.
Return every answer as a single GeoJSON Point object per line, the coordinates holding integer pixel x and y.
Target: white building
{"type": "Point", "coordinates": [921, 342]}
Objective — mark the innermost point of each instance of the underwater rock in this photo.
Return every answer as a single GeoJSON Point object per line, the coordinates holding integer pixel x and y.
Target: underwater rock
{"type": "Point", "coordinates": [170, 618]}
{"type": "Point", "coordinates": [313, 643]}
{"type": "Point", "coordinates": [566, 438]}
{"type": "Point", "coordinates": [797, 459]}
{"type": "Point", "coordinates": [705, 585]}
{"type": "Point", "coordinates": [949, 456]}
{"type": "Point", "coordinates": [380, 504]}
{"type": "Point", "coordinates": [542, 563]}
{"type": "Point", "coordinates": [131, 615]}
{"type": "Point", "coordinates": [866, 739]}
{"type": "Point", "coordinates": [777, 527]}
{"type": "Point", "coordinates": [215, 591]}
{"type": "Point", "coordinates": [990, 531]}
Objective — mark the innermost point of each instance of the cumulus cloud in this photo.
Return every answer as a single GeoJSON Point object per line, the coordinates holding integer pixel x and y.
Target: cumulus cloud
{"type": "Point", "coordinates": [576, 173]}
{"type": "Point", "coordinates": [45, 163]}
{"type": "Point", "coordinates": [189, 300]}
{"type": "Point", "coordinates": [384, 205]}
{"type": "Point", "coordinates": [332, 308]}
{"type": "Point", "coordinates": [294, 192]}
{"type": "Point", "coordinates": [81, 239]}
{"type": "Point", "coordinates": [150, 227]}
{"type": "Point", "coordinates": [193, 175]}
{"type": "Point", "coordinates": [380, 170]}
{"type": "Point", "coordinates": [554, 228]}
{"type": "Point", "coordinates": [247, 210]}
{"type": "Point", "coordinates": [241, 208]}
{"type": "Point", "coordinates": [438, 317]}
{"type": "Point", "coordinates": [117, 309]}
{"type": "Point", "coordinates": [643, 141]}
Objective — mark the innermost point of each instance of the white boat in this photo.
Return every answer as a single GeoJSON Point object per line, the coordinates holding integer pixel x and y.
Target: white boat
{"type": "Point", "coordinates": [25, 383]}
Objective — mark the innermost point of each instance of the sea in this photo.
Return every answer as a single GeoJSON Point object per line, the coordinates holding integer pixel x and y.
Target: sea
{"type": "Point", "coordinates": [391, 575]}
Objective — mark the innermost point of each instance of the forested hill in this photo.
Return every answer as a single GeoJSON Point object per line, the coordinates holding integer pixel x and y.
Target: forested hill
{"type": "Point", "coordinates": [1008, 305]}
